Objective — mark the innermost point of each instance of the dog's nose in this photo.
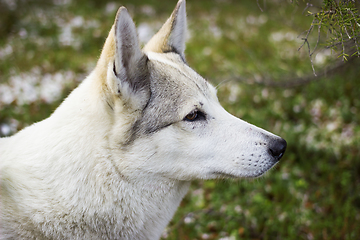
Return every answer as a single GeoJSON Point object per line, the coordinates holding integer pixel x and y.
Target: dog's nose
{"type": "Point", "coordinates": [277, 148]}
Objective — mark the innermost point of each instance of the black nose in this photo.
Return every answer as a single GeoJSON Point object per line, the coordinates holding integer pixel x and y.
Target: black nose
{"type": "Point", "coordinates": [277, 147]}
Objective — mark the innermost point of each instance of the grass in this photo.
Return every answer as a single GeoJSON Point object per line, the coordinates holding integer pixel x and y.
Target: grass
{"type": "Point", "coordinates": [313, 193]}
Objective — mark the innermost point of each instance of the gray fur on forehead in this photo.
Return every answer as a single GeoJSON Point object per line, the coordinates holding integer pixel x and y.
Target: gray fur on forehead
{"type": "Point", "coordinates": [170, 89]}
{"type": "Point", "coordinates": [176, 75]}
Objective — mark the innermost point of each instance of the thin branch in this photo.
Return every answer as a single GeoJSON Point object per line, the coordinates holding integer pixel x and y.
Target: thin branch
{"type": "Point", "coordinates": [355, 42]}
{"type": "Point", "coordinates": [318, 39]}
{"type": "Point", "coordinates": [308, 44]}
{"type": "Point", "coordinates": [307, 35]}
{"type": "Point", "coordinates": [257, 1]}
{"type": "Point", "coordinates": [310, 56]}
{"type": "Point", "coordinates": [342, 44]}
{"type": "Point", "coordinates": [343, 22]}
{"type": "Point", "coordinates": [355, 37]}
{"type": "Point", "coordinates": [354, 18]}
{"type": "Point", "coordinates": [307, 6]}
{"type": "Point", "coordinates": [339, 43]}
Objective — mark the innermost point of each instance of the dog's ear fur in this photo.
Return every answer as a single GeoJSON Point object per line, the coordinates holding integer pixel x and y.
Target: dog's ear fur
{"type": "Point", "coordinates": [171, 37]}
{"type": "Point", "coordinates": [128, 76]}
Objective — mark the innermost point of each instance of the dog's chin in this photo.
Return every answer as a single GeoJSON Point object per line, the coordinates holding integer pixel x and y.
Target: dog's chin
{"type": "Point", "coordinates": [243, 174]}
{"type": "Point", "coordinates": [223, 175]}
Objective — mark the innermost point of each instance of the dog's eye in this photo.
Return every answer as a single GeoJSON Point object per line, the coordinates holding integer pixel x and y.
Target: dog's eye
{"type": "Point", "coordinates": [194, 116]}
{"type": "Point", "coordinates": [191, 116]}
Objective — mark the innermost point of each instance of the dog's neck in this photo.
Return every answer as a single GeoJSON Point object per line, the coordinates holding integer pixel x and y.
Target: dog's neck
{"type": "Point", "coordinates": [137, 208]}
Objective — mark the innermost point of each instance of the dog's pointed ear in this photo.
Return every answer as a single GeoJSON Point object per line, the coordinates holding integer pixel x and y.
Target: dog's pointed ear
{"type": "Point", "coordinates": [128, 76]}
{"type": "Point", "coordinates": [127, 50]}
{"type": "Point", "coordinates": [171, 37]}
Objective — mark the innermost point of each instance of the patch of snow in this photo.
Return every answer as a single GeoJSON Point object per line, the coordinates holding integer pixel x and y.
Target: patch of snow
{"type": "Point", "coordinates": [6, 51]}
{"type": "Point", "coordinates": [148, 10]}
{"type": "Point", "coordinates": [260, 20]}
{"type": "Point", "coordinates": [28, 87]}
{"type": "Point", "coordinates": [282, 36]}
{"type": "Point", "coordinates": [111, 7]}
{"type": "Point", "coordinates": [6, 129]}
{"type": "Point", "coordinates": [145, 32]}
{"type": "Point", "coordinates": [322, 56]}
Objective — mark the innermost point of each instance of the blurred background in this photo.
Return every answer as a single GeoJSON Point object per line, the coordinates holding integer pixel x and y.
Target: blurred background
{"type": "Point", "coordinates": [250, 51]}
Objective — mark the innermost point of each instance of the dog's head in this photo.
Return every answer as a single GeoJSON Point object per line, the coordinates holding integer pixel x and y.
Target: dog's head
{"type": "Point", "coordinates": [168, 121]}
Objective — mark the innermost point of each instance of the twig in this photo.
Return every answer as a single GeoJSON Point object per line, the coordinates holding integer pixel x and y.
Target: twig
{"type": "Point", "coordinates": [318, 39]}
{"type": "Point", "coordinates": [257, 1]}
{"type": "Point", "coordinates": [342, 44]}
{"type": "Point", "coordinates": [355, 37]}
{"type": "Point", "coordinates": [308, 44]}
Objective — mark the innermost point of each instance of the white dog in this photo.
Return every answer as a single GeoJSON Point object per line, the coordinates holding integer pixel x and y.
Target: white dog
{"type": "Point", "coordinates": [116, 158]}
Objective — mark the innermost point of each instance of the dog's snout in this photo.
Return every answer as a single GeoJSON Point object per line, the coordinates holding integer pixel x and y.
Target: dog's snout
{"type": "Point", "coordinates": [277, 148]}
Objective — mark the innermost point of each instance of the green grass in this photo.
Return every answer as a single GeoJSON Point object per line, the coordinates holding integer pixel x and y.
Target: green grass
{"type": "Point", "coordinates": [313, 193]}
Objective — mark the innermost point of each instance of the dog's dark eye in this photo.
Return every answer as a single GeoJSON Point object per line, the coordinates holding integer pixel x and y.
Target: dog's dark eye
{"type": "Point", "coordinates": [191, 116]}
{"type": "Point", "coordinates": [194, 116]}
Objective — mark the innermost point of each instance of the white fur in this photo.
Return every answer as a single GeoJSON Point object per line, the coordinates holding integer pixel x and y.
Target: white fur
{"type": "Point", "coordinates": [117, 156]}
{"type": "Point", "coordinates": [160, 58]}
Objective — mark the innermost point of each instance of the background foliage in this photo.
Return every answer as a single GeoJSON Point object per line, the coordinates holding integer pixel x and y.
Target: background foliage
{"type": "Point", "coordinates": [251, 54]}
